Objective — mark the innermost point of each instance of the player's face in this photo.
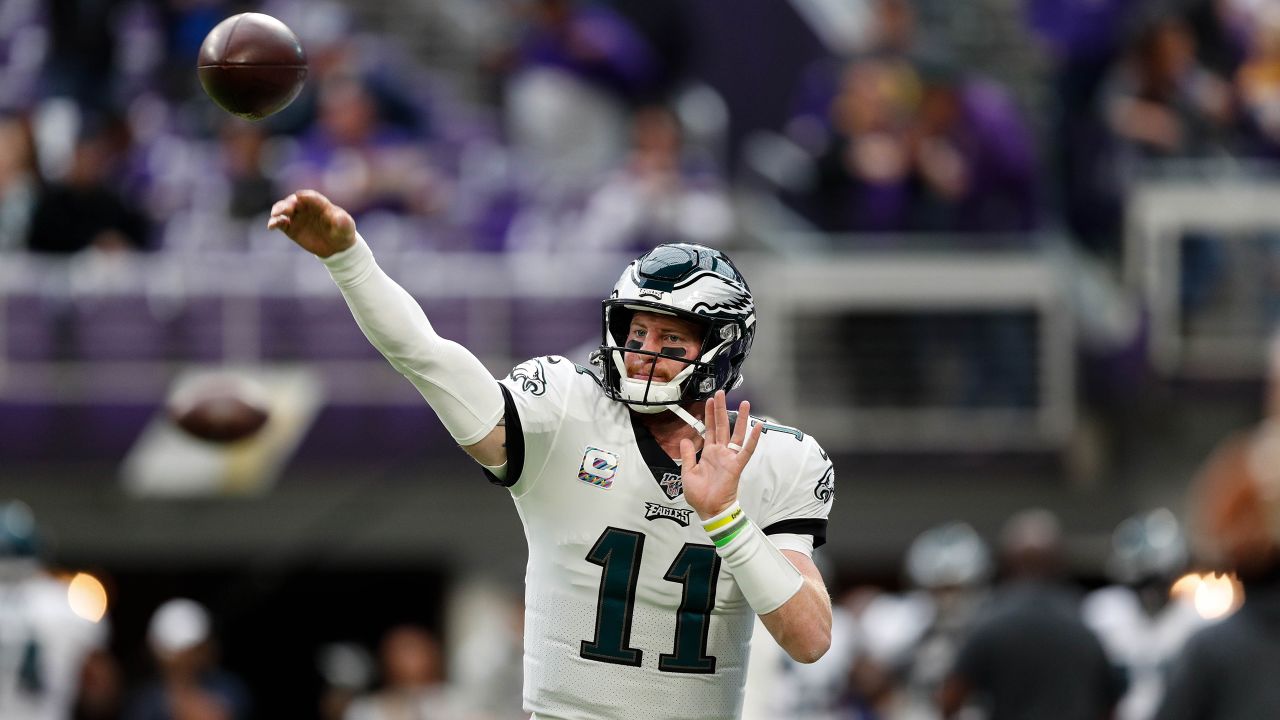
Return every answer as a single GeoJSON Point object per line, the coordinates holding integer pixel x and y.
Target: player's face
{"type": "Point", "coordinates": [664, 334]}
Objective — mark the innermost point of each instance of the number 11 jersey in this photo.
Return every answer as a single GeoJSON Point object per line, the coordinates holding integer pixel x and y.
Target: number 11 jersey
{"type": "Point", "coordinates": [629, 612]}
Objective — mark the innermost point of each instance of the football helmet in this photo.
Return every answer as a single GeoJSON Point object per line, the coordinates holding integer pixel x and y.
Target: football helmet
{"type": "Point", "coordinates": [18, 535]}
{"type": "Point", "coordinates": [950, 555]}
{"type": "Point", "coordinates": [1148, 547]}
{"type": "Point", "coordinates": [688, 281]}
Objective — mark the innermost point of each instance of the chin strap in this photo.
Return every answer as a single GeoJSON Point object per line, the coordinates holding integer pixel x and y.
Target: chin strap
{"type": "Point", "coordinates": [688, 417]}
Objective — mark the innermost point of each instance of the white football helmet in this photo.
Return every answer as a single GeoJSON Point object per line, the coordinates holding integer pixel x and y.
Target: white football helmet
{"type": "Point", "coordinates": [688, 281]}
{"type": "Point", "coordinates": [950, 555]}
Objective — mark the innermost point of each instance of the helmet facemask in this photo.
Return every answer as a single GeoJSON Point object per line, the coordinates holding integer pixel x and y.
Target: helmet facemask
{"type": "Point", "coordinates": [695, 381]}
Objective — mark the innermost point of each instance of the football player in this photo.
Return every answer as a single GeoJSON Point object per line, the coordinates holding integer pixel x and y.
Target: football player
{"type": "Point", "coordinates": [1141, 623]}
{"type": "Point", "coordinates": [44, 645]}
{"type": "Point", "coordinates": [658, 523]}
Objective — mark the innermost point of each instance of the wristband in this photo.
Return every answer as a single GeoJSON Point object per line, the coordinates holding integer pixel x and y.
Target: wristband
{"type": "Point", "coordinates": [765, 576]}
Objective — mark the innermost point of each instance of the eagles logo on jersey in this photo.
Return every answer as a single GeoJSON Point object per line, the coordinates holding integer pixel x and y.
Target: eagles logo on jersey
{"type": "Point", "coordinates": [531, 377]}
{"type": "Point", "coordinates": [826, 488]}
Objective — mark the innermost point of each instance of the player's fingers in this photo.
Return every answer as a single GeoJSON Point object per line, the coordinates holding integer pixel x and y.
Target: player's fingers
{"type": "Point", "coordinates": [278, 221]}
{"type": "Point", "coordinates": [312, 199]}
{"type": "Point", "coordinates": [284, 207]}
{"type": "Point", "coordinates": [749, 447]}
{"type": "Point", "coordinates": [722, 418]}
{"type": "Point", "coordinates": [688, 456]}
{"type": "Point", "coordinates": [744, 419]}
{"type": "Point", "coordinates": [709, 419]}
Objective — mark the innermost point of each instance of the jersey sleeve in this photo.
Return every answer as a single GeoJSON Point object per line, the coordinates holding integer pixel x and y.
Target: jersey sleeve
{"type": "Point", "coordinates": [537, 394]}
{"type": "Point", "coordinates": [802, 504]}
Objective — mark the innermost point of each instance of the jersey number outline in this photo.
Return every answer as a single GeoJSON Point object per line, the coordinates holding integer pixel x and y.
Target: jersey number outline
{"type": "Point", "coordinates": [696, 568]}
{"type": "Point", "coordinates": [766, 427]}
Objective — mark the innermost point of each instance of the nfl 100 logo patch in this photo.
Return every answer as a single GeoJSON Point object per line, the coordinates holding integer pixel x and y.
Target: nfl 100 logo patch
{"type": "Point", "coordinates": [598, 467]}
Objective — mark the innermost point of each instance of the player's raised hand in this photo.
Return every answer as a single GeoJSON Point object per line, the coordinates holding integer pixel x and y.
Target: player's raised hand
{"type": "Point", "coordinates": [711, 481]}
{"type": "Point", "coordinates": [314, 223]}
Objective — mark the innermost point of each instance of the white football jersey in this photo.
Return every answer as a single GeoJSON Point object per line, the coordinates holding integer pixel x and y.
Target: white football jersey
{"type": "Point", "coordinates": [629, 611]}
{"type": "Point", "coordinates": [43, 646]}
{"type": "Point", "coordinates": [1144, 645]}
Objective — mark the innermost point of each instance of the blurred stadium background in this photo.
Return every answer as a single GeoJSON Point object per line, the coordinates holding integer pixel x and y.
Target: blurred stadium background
{"type": "Point", "coordinates": [1007, 254]}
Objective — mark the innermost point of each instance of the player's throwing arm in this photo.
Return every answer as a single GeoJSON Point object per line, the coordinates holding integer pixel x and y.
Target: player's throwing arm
{"type": "Point", "coordinates": [451, 379]}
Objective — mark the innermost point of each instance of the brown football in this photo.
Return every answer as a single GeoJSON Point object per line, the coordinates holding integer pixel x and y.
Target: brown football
{"type": "Point", "coordinates": [252, 65]}
{"type": "Point", "coordinates": [220, 408]}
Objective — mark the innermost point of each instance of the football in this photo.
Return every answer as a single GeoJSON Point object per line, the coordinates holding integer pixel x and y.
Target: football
{"type": "Point", "coordinates": [252, 65]}
{"type": "Point", "coordinates": [220, 408]}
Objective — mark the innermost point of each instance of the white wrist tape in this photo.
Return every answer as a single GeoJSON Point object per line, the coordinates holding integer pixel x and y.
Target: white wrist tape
{"type": "Point", "coordinates": [764, 574]}
{"type": "Point", "coordinates": [452, 380]}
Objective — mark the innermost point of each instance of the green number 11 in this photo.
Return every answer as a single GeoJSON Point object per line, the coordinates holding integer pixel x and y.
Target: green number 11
{"type": "Point", "coordinates": [696, 567]}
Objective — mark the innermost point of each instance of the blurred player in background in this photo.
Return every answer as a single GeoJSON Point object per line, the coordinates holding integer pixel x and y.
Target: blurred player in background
{"type": "Point", "coordinates": [1141, 623]}
{"type": "Point", "coordinates": [412, 680]}
{"type": "Point", "coordinates": [1030, 655]}
{"type": "Point", "coordinates": [634, 607]}
{"type": "Point", "coordinates": [1228, 671]}
{"type": "Point", "coordinates": [913, 638]}
{"type": "Point", "coordinates": [190, 684]}
{"type": "Point", "coordinates": [45, 646]}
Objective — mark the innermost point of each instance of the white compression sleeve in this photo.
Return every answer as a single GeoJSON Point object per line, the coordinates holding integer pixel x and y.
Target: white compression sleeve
{"type": "Point", "coordinates": [452, 380]}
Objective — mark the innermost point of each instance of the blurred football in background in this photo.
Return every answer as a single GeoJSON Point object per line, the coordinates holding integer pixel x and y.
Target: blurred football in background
{"type": "Point", "coordinates": [252, 65]}
{"type": "Point", "coordinates": [220, 407]}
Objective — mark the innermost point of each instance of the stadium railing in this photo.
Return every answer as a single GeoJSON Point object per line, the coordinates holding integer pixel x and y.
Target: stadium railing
{"type": "Point", "coordinates": [1204, 252]}
{"type": "Point", "coordinates": [943, 350]}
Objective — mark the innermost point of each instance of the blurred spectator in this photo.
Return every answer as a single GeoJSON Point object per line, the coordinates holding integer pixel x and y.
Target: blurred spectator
{"type": "Point", "coordinates": [1258, 83]}
{"type": "Point", "coordinates": [576, 70]}
{"type": "Point", "coordinates": [190, 685]}
{"type": "Point", "coordinates": [921, 147]}
{"type": "Point", "coordinates": [357, 159]}
{"type": "Point", "coordinates": [1226, 671]}
{"type": "Point", "coordinates": [914, 638]}
{"type": "Point", "coordinates": [593, 43]}
{"type": "Point", "coordinates": [974, 154]}
{"type": "Point", "coordinates": [185, 24]}
{"type": "Point", "coordinates": [672, 32]}
{"type": "Point", "coordinates": [1030, 655]}
{"type": "Point", "coordinates": [864, 175]}
{"type": "Point", "coordinates": [660, 194]}
{"type": "Point", "coordinates": [893, 37]}
{"type": "Point", "coordinates": [338, 46]}
{"type": "Point", "coordinates": [84, 209]}
{"type": "Point", "coordinates": [1082, 40]}
{"type": "Point", "coordinates": [412, 680]}
{"type": "Point", "coordinates": [896, 28]}
{"type": "Point", "coordinates": [47, 641]}
{"type": "Point", "coordinates": [1163, 104]}
{"type": "Point", "coordinates": [347, 669]}
{"type": "Point", "coordinates": [252, 189]}
{"type": "Point", "coordinates": [19, 182]}
{"type": "Point", "coordinates": [82, 51]}
{"type": "Point", "coordinates": [1142, 624]}
{"type": "Point", "coordinates": [24, 47]}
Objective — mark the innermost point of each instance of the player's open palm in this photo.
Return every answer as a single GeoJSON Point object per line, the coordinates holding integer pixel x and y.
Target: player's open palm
{"type": "Point", "coordinates": [711, 479]}
{"type": "Point", "coordinates": [314, 223]}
